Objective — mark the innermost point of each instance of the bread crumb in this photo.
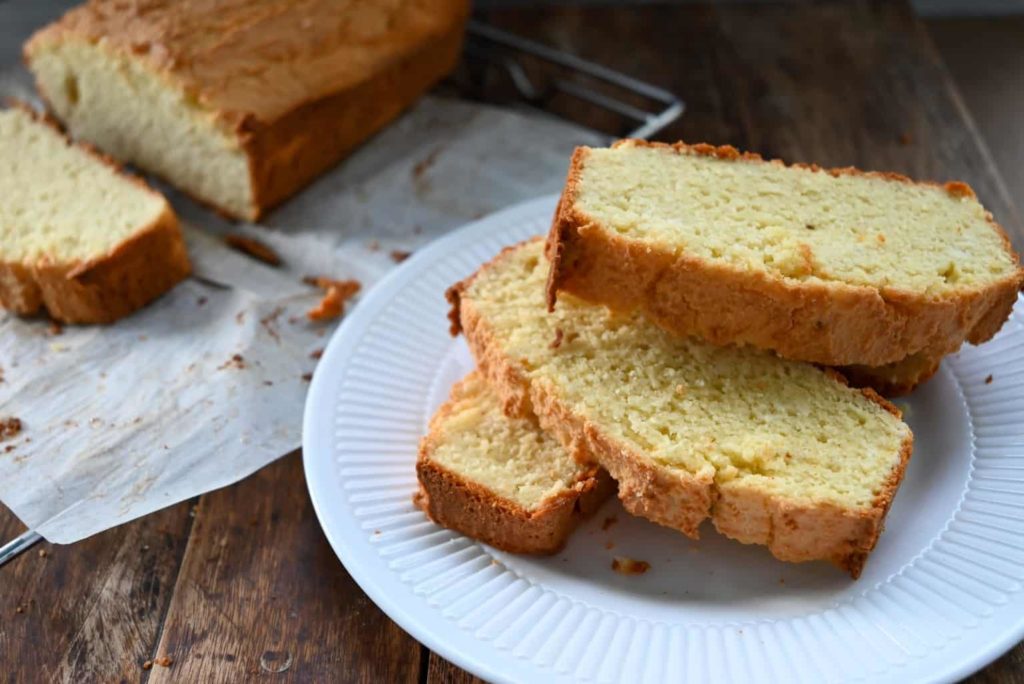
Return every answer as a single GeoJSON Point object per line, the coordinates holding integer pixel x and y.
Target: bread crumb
{"type": "Point", "coordinates": [9, 427]}
{"type": "Point", "coordinates": [421, 166]}
{"type": "Point", "coordinates": [557, 342]}
{"type": "Point", "coordinates": [629, 566]}
{"type": "Point", "coordinates": [147, 665]}
{"type": "Point", "coordinates": [988, 380]}
{"type": "Point", "coordinates": [316, 354]}
{"type": "Point", "coordinates": [308, 377]}
{"type": "Point", "coordinates": [164, 661]}
{"type": "Point", "coordinates": [56, 328]}
{"type": "Point", "coordinates": [959, 189]}
{"type": "Point", "coordinates": [269, 323]}
{"type": "Point", "coordinates": [881, 239]}
{"type": "Point", "coordinates": [252, 247]}
{"type": "Point", "coordinates": [336, 293]}
{"type": "Point", "coordinates": [19, 609]}
{"type": "Point", "coordinates": [399, 255]}
{"type": "Point", "coordinates": [608, 522]}
{"type": "Point", "coordinates": [43, 553]}
{"type": "Point", "coordinates": [236, 361]}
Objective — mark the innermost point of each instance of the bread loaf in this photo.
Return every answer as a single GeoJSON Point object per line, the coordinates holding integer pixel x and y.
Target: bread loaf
{"type": "Point", "coordinates": [240, 104]}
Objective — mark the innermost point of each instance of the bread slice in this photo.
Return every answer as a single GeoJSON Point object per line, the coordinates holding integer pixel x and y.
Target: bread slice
{"type": "Point", "coordinates": [774, 452]}
{"type": "Point", "coordinates": [502, 480]}
{"type": "Point", "coordinates": [78, 237]}
{"type": "Point", "coordinates": [836, 267]}
{"type": "Point", "coordinates": [240, 104]}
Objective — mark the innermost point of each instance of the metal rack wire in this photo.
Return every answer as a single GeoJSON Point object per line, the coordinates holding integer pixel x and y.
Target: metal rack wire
{"type": "Point", "coordinates": [506, 50]}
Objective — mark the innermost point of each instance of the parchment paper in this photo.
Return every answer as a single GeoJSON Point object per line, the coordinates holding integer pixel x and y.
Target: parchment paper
{"type": "Point", "coordinates": [207, 385]}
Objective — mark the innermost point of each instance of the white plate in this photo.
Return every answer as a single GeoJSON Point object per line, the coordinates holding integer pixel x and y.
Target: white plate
{"type": "Point", "coordinates": [940, 597]}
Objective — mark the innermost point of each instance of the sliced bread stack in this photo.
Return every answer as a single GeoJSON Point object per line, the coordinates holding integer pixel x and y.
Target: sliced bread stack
{"type": "Point", "coordinates": [700, 292]}
{"type": "Point", "coordinates": [774, 452]}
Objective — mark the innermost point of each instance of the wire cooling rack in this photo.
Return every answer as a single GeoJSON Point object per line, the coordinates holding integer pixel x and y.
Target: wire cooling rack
{"type": "Point", "coordinates": [648, 108]}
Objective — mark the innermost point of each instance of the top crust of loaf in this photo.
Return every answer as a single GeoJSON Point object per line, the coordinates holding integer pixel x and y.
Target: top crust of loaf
{"type": "Point", "coordinates": [251, 64]}
{"type": "Point", "coordinates": [822, 321]}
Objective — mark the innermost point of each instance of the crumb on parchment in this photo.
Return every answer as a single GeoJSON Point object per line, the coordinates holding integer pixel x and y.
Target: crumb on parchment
{"type": "Point", "coordinates": [236, 361]}
{"type": "Point", "coordinates": [252, 247]}
{"type": "Point", "coordinates": [336, 293]}
{"type": "Point", "coordinates": [9, 427]}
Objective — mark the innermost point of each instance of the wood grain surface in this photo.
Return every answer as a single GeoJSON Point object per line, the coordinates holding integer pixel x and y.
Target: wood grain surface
{"type": "Point", "coordinates": [242, 584]}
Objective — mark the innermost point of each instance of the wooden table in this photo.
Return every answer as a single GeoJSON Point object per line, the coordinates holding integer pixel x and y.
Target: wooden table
{"type": "Point", "coordinates": [241, 582]}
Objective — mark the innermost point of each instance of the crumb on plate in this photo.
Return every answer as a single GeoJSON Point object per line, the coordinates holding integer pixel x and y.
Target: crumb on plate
{"type": "Point", "coordinates": [629, 566]}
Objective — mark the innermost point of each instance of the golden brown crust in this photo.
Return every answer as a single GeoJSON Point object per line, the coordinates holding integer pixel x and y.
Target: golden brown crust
{"type": "Point", "coordinates": [828, 323]}
{"type": "Point", "coordinates": [792, 532]}
{"type": "Point", "coordinates": [455, 502]}
{"type": "Point", "coordinates": [109, 286]}
{"type": "Point", "coordinates": [465, 506]}
{"type": "Point", "coordinates": [360, 65]}
{"type": "Point", "coordinates": [105, 289]}
{"type": "Point", "coordinates": [251, 64]}
{"type": "Point", "coordinates": [288, 154]}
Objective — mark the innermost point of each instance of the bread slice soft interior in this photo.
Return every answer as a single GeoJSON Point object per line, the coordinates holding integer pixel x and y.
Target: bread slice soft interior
{"type": "Point", "coordinates": [774, 452]}
{"type": "Point", "coordinates": [77, 236]}
{"type": "Point", "coordinates": [501, 479]}
{"type": "Point", "coordinates": [836, 267]}
{"type": "Point", "coordinates": [121, 104]}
